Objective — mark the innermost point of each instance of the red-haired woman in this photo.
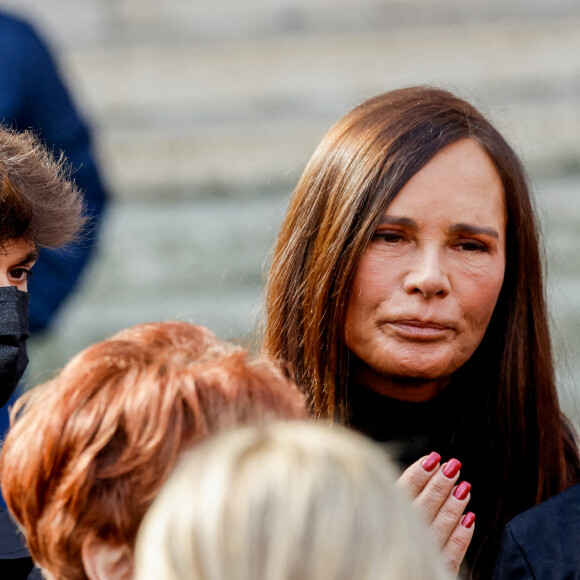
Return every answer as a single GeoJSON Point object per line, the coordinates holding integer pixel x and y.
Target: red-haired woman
{"type": "Point", "coordinates": [93, 446]}
{"type": "Point", "coordinates": [406, 296]}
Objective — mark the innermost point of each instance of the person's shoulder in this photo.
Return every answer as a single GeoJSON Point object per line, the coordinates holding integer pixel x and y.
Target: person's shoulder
{"type": "Point", "coordinates": [19, 39]}
{"type": "Point", "coordinates": [543, 541]}
{"type": "Point", "coordinates": [565, 507]}
{"type": "Point", "coordinates": [16, 26]}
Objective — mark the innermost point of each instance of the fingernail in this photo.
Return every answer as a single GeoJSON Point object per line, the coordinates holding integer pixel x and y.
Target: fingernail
{"type": "Point", "coordinates": [431, 462]}
{"type": "Point", "coordinates": [452, 468]}
{"type": "Point", "coordinates": [468, 520]}
{"type": "Point", "coordinates": [462, 490]}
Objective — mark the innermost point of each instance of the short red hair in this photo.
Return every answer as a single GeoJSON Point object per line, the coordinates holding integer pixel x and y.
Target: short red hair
{"type": "Point", "coordinates": [89, 450]}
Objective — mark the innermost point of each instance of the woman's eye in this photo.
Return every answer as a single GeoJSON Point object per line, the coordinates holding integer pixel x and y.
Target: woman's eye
{"type": "Point", "coordinates": [389, 237]}
{"type": "Point", "coordinates": [472, 246]}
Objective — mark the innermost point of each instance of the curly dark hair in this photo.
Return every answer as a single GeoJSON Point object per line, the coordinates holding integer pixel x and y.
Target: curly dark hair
{"type": "Point", "coordinates": [39, 201]}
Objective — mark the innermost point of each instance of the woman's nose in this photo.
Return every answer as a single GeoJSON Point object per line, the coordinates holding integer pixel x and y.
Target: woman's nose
{"type": "Point", "coordinates": [428, 275]}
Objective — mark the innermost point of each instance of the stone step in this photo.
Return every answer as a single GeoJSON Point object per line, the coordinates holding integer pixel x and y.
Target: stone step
{"type": "Point", "coordinates": [251, 160]}
{"type": "Point", "coordinates": [531, 62]}
{"type": "Point", "coordinates": [186, 114]}
{"type": "Point", "coordinates": [81, 23]}
{"type": "Point", "coordinates": [244, 113]}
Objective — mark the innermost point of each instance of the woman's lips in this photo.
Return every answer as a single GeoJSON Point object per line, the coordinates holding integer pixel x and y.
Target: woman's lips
{"type": "Point", "coordinates": [420, 330]}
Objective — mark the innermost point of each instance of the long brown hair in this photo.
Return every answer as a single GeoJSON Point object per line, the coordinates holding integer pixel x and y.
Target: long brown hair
{"type": "Point", "coordinates": [354, 174]}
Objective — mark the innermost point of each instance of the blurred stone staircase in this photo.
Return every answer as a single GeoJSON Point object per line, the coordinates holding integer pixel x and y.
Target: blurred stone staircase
{"type": "Point", "coordinates": [206, 111]}
{"type": "Point", "coordinates": [196, 95]}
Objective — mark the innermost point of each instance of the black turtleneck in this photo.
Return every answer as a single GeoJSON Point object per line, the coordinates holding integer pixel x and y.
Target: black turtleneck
{"type": "Point", "coordinates": [409, 429]}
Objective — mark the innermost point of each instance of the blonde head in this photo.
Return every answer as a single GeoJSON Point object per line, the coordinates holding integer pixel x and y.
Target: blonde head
{"type": "Point", "coordinates": [285, 501]}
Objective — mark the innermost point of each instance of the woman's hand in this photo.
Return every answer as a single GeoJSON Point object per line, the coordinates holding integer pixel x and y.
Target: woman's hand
{"type": "Point", "coordinates": [433, 490]}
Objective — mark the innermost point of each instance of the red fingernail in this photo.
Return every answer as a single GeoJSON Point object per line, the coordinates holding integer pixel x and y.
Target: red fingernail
{"type": "Point", "coordinates": [462, 490]}
{"type": "Point", "coordinates": [452, 468]}
{"type": "Point", "coordinates": [468, 520]}
{"type": "Point", "coordinates": [431, 462]}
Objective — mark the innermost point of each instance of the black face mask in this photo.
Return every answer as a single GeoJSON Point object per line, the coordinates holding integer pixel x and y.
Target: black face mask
{"type": "Point", "coordinates": [13, 335]}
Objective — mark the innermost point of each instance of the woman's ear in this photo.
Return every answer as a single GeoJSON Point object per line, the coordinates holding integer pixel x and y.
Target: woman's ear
{"type": "Point", "coordinates": [106, 561]}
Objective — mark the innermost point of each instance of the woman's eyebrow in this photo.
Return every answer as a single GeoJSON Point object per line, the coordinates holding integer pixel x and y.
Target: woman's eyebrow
{"type": "Point", "coordinates": [455, 228]}
{"type": "Point", "coordinates": [398, 221]}
{"type": "Point", "coordinates": [471, 229]}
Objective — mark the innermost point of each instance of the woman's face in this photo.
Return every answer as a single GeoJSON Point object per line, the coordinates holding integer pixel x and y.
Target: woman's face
{"type": "Point", "coordinates": [428, 282]}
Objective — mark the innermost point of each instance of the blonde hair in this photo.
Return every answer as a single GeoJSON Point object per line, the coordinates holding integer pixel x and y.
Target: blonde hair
{"type": "Point", "coordinates": [285, 501]}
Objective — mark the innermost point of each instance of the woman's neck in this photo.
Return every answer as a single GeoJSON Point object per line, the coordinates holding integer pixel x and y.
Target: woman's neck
{"type": "Point", "coordinates": [411, 389]}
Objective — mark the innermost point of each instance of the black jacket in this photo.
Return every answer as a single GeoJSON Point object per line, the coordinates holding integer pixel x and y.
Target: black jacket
{"type": "Point", "coordinates": [543, 543]}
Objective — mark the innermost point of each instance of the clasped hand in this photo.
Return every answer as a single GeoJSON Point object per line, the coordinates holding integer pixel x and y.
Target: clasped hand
{"type": "Point", "coordinates": [441, 501]}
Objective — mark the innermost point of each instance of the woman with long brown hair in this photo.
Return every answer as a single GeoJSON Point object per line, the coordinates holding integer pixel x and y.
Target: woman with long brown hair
{"type": "Point", "coordinates": [406, 297]}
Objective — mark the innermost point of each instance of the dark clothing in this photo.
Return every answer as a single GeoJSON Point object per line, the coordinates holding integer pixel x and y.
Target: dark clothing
{"type": "Point", "coordinates": [543, 543]}
{"type": "Point", "coordinates": [15, 561]}
{"type": "Point", "coordinates": [33, 96]}
{"type": "Point", "coordinates": [409, 430]}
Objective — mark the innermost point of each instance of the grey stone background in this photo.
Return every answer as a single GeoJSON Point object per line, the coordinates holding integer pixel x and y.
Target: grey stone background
{"type": "Point", "coordinates": [206, 111]}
